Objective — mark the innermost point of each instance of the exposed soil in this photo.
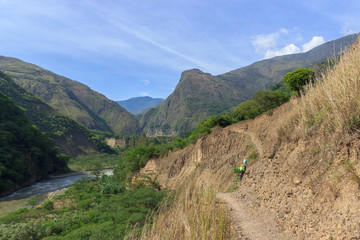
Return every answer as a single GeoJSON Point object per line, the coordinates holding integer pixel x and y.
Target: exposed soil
{"type": "Point", "coordinates": [249, 223]}
{"type": "Point", "coordinates": [299, 187]}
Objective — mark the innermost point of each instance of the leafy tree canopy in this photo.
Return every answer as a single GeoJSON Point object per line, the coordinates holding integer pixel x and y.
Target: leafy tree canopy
{"type": "Point", "coordinates": [298, 78]}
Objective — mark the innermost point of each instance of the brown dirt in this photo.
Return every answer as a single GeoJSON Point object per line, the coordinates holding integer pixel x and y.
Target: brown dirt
{"type": "Point", "coordinates": [249, 223]}
{"type": "Point", "coordinates": [298, 187]}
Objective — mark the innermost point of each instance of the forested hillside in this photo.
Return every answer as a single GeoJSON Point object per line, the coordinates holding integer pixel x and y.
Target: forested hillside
{"type": "Point", "coordinates": [71, 137]}
{"type": "Point", "coordinates": [71, 98]}
{"type": "Point", "coordinates": [26, 154]}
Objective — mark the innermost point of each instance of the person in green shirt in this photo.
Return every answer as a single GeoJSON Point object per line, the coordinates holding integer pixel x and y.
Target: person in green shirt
{"type": "Point", "coordinates": [240, 171]}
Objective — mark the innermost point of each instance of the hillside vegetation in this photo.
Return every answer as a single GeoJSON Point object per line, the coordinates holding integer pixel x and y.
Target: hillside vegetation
{"type": "Point", "coordinates": [302, 179]}
{"type": "Point", "coordinates": [199, 95]}
{"type": "Point", "coordinates": [71, 98]}
{"type": "Point", "coordinates": [71, 137]}
{"type": "Point", "coordinates": [26, 154]}
{"type": "Point", "coordinates": [104, 207]}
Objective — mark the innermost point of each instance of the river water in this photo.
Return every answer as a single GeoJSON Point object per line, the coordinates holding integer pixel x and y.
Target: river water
{"type": "Point", "coordinates": [19, 198]}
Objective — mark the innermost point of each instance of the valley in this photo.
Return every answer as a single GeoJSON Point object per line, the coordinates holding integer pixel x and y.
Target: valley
{"type": "Point", "coordinates": [174, 168]}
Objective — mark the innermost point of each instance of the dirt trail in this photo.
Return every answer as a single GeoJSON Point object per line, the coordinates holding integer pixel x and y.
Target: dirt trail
{"type": "Point", "coordinates": [248, 223]}
{"type": "Point", "coordinates": [254, 138]}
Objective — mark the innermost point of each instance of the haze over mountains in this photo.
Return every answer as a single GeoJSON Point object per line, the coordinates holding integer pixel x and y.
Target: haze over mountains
{"type": "Point", "coordinates": [139, 105]}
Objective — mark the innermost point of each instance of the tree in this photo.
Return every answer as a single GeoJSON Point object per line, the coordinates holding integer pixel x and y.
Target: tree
{"type": "Point", "coordinates": [298, 78]}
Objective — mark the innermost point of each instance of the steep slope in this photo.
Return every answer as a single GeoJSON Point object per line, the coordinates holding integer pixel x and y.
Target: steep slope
{"type": "Point", "coordinates": [304, 182]}
{"type": "Point", "coordinates": [138, 105]}
{"type": "Point", "coordinates": [71, 137]}
{"type": "Point", "coordinates": [199, 95]}
{"type": "Point", "coordinates": [71, 98]}
{"type": "Point", "coordinates": [26, 154]}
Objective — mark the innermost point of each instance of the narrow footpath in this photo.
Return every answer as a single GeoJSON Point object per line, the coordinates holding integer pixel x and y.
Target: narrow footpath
{"type": "Point", "coordinates": [249, 222]}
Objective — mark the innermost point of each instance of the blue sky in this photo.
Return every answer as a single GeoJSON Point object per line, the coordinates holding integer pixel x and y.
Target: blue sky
{"type": "Point", "coordinates": [130, 48]}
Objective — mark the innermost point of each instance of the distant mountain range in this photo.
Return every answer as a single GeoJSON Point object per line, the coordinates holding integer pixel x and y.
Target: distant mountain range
{"type": "Point", "coordinates": [71, 98]}
{"type": "Point", "coordinates": [199, 95]}
{"type": "Point", "coordinates": [139, 105]}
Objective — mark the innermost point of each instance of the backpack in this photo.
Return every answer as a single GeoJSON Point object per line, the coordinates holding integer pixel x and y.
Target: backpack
{"type": "Point", "coordinates": [242, 168]}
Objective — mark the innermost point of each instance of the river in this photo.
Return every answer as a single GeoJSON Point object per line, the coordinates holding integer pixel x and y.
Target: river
{"type": "Point", "coordinates": [19, 198]}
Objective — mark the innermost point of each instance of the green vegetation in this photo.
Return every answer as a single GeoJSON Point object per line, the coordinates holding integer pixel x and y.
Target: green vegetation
{"type": "Point", "coordinates": [263, 101]}
{"type": "Point", "coordinates": [106, 207]}
{"type": "Point", "coordinates": [297, 79]}
{"type": "Point", "coordinates": [26, 154]}
{"type": "Point", "coordinates": [87, 210]}
{"type": "Point", "coordinates": [91, 162]}
{"type": "Point", "coordinates": [78, 139]}
{"type": "Point", "coordinates": [71, 98]}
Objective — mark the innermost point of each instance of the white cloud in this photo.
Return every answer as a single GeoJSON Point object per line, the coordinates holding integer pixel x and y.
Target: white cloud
{"type": "Point", "coordinates": [314, 42]}
{"type": "Point", "coordinates": [346, 31]}
{"type": "Point", "coordinates": [288, 49]}
{"type": "Point", "coordinates": [146, 82]}
{"type": "Point", "coordinates": [267, 43]}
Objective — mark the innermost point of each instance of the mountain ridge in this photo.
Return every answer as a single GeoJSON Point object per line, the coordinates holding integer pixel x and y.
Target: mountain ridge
{"type": "Point", "coordinates": [138, 105]}
{"type": "Point", "coordinates": [192, 102]}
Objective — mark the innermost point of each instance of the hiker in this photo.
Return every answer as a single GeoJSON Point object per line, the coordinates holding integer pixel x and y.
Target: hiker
{"type": "Point", "coordinates": [241, 170]}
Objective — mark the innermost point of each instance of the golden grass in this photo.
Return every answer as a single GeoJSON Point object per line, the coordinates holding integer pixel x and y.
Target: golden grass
{"type": "Point", "coordinates": [332, 104]}
{"type": "Point", "coordinates": [195, 214]}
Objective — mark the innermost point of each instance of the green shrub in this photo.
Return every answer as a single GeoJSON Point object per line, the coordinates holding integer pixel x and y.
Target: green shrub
{"type": "Point", "coordinates": [109, 185]}
{"type": "Point", "coordinates": [48, 205]}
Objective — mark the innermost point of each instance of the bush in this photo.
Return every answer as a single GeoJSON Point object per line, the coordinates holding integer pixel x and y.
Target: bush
{"type": "Point", "coordinates": [109, 185]}
{"type": "Point", "coordinates": [48, 205]}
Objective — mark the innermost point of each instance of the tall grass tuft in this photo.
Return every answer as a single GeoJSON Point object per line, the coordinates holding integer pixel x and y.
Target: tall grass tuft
{"type": "Point", "coordinates": [332, 104]}
{"type": "Point", "coordinates": [195, 214]}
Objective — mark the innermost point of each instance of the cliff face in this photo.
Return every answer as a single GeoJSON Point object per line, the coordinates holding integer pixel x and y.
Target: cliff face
{"type": "Point", "coordinates": [300, 181]}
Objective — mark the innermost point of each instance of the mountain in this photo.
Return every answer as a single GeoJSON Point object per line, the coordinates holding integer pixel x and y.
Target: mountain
{"type": "Point", "coordinates": [196, 96]}
{"type": "Point", "coordinates": [199, 95]}
{"type": "Point", "coordinates": [26, 154]}
{"type": "Point", "coordinates": [71, 137]}
{"type": "Point", "coordinates": [71, 98]}
{"type": "Point", "coordinates": [138, 105]}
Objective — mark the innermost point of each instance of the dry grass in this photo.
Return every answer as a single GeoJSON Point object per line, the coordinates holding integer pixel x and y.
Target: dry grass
{"type": "Point", "coordinates": [195, 214]}
{"type": "Point", "coordinates": [332, 104]}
